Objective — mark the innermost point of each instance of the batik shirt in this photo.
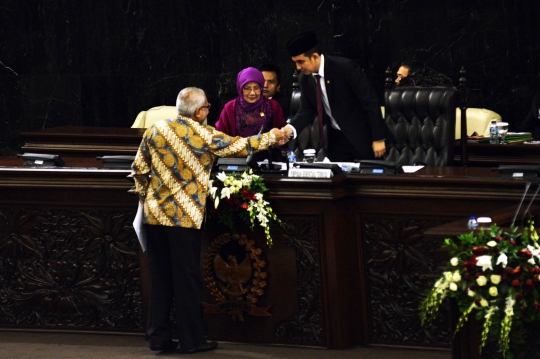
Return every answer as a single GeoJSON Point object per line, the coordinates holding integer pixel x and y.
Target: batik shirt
{"type": "Point", "coordinates": [173, 164]}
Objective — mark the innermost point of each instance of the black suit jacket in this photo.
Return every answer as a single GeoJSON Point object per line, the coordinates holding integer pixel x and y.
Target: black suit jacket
{"type": "Point", "coordinates": [353, 102]}
{"type": "Point", "coordinates": [285, 103]}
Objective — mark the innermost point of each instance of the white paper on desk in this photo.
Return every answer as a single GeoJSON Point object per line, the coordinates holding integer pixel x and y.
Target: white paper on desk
{"type": "Point", "coordinates": [138, 226]}
{"type": "Point", "coordinates": [411, 169]}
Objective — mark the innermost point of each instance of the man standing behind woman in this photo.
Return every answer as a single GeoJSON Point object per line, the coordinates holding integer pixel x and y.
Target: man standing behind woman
{"type": "Point", "coordinates": [250, 113]}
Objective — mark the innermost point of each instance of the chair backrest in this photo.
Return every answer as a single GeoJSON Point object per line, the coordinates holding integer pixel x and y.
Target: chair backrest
{"type": "Point", "coordinates": [478, 120]}
{"type": "Point", "coordinates": [147, 118]}
{"type": "Point", "coordinates": [422, 122]}
{"type": "Point", "coordinates": [309, 137]}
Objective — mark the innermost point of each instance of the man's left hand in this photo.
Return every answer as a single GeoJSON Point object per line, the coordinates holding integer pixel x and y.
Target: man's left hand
{"type": "Point", "coordinates": [379, 148]}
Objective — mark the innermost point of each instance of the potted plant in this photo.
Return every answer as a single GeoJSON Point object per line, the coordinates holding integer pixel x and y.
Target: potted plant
{"type": "Point", "coordinates": [494, 275]}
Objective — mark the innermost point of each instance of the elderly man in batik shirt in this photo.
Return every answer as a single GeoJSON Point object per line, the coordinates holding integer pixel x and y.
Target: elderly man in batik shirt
{"type": "Point", "coordinates": [171, 171]}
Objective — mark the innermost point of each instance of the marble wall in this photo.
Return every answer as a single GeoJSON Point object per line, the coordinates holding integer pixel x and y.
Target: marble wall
{"type": "Point", "coordinates": [99, 63]}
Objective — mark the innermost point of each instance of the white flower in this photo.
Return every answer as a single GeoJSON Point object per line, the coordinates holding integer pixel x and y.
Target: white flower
{"type": "Point", "coordinates": [213, 191]}
{"type": "Point", "coordinates": [448, 276]}
{"type": "Point", "coordinates": [456, 277]}
{"type": "Point", "coordinates": [470, 293]}
{"type": "Point", "coordinates": [453, 287]}
{"type": "Point", "coordinates": [493, 291]}
{"type": "Point", "coordinates": [484, 303]}
{"type": "Point", "coordinates": [225, 192]}
{"type": "Point", "coordinates": [482, 281]}
{"type": "Point", "coordinates": [509, 309]}
{"type": "Point", "coordinates": [484, 262]}
{"type": "Point", "coordinates": [491, 243]}
{"type": "Point", "coordinates": [535, 251]}
{"type": "Point", "coordinates": [221, 176]}
{"type": "Point", "coordinates": [216, 202]}
{"type": "Point", "coordinates": [454, 261]}
{"type": "Point", "coordinates": [502, 259]}
{"type": "Point", "coordinates": [495, 279]}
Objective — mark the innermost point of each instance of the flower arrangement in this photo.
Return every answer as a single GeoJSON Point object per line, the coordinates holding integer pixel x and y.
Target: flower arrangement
{"type": "Point", "coordinates": [241, 195]}
{"type": "Point", "coordinates": [496, 274]}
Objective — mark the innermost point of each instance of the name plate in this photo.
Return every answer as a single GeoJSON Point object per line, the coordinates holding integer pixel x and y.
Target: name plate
{"type": "Point", "coordinates": [311, 172]}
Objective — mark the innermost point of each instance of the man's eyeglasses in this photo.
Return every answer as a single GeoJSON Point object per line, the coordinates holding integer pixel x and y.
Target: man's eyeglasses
{"type": "Point", "coordinates": [207, 106]}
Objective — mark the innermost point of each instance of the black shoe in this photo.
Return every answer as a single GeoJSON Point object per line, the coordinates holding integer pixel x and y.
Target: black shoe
{"type": "Point", "coordinates": [206, 346]}
{"type": "Point", "coordinates": [164, 347]}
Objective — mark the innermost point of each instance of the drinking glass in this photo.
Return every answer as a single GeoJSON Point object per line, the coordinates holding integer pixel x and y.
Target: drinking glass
{"type": "Point", "coordinates": [503, 130]}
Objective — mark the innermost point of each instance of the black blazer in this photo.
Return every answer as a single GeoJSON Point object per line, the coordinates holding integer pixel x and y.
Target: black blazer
{"type": "Point", "coordinates": [285, 103]}
{"type": "Point", "coordinates": [353, 102]}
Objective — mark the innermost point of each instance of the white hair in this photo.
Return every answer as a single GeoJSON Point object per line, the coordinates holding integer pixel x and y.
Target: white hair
{"type": "Point", "coordinates": [188, 100]}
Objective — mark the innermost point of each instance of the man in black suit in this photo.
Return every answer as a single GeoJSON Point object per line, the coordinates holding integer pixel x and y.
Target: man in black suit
{"type": "Point", "coordinates": [272, 86]}
{"type": "Point", "coordinates": [355, 127]}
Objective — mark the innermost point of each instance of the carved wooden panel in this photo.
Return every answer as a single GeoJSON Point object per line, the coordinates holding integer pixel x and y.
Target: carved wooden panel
{"type": "Point", "coordinates": [307, 325]}
{"type": "Point", "coordinates": [399, 267]}
{"type": "Point", "coordinates": [68, 269]}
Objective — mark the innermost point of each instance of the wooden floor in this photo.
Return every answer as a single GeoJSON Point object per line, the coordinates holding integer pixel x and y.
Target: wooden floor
{"type": "Point", "coordinates": [24, 345]}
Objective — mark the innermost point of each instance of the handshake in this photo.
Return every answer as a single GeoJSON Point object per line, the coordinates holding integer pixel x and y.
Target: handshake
{"type": "Point", "coordinates": [282, 136]}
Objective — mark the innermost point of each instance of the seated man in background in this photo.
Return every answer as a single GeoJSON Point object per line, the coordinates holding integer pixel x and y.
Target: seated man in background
{"type": "Point", "coordinates": [532, 121]}
{"type": "Point", "coordinates": [414, 73]}
{"type": "Point", "coordinates": [272, 84]}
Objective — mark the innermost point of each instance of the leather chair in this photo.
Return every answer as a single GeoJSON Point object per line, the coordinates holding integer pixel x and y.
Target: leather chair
{"type": "Point", "coordinates": [309, 137]}
{"type": "Point", "coordinates": [422, 122]}
{"type": "Point", "coordinates": [478, 120]}
{"type": "Point", "coordinates": [147, 118]}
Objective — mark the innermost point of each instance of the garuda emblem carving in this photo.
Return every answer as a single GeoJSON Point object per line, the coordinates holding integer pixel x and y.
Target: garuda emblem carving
{"type": "Point", "coordinates": [234, 274]}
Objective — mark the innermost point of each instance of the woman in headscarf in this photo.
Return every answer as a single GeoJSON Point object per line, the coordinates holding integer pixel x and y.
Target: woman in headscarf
{"type": "Point", "coordinates": [247, 114]}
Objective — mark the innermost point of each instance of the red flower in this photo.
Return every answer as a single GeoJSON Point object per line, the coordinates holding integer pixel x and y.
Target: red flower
{"type": "Point", "coordinates": [511, 240]}
{"type": "Point", "coordinates": [526, 253]}
{"type": "Point", "coordinates": [519, 296]}
{"type": "Point", "coordinates": [509, 270]}
{"type": "Point", "coordinates": [244, 206]}
{"type": "Point", "coordinates": [517, 270]}
{"type": "Point", "coordinates": [529, 284]}
{"type": "Point", "coordinates": [478, 250]}
{"type": "Point", "coordinates": [498, 238]}
{"type": "Point", "coordinates": [515, 283]}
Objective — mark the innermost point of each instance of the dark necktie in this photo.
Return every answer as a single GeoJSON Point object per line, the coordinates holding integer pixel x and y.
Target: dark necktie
{"type": "Point", "coordinates": [320, 112]}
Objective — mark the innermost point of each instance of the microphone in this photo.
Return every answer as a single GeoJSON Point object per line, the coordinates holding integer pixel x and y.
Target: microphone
{"type": "Point", "coordinates": [522, 199]}
{"type": "Point", "coordinates": [530, 203]}
{"type": "Point", "coordinates": [249, 158]}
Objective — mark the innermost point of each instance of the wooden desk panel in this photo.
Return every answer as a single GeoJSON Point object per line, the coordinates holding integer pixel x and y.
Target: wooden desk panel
{"type": "Point", "coordinates": [348, 268]}
{"type": "Point", "coordinates": [75, 143]}
{"type": "Point", "coordinates": [484, 154]}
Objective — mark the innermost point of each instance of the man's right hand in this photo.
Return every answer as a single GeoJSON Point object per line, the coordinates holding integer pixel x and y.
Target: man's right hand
{"type": "Point", "coordinates": [287, 131]}
{"type": "Point", "coordinates": [280, 136]}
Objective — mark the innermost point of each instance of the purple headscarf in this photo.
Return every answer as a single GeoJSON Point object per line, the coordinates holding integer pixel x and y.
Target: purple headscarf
{"type": "Point", "coordinates": [249, 74]}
